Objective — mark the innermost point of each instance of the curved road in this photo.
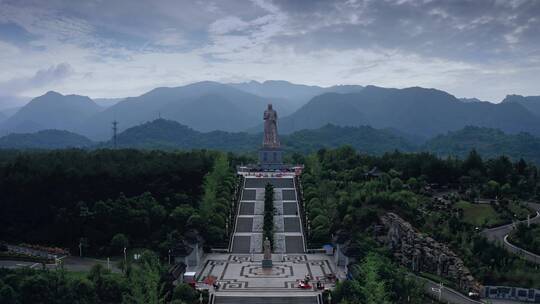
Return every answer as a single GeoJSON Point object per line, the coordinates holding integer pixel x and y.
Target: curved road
{"type": "Point", "coordinates": [499, 235]}
{"type": "Point", "coordinates": [448, 295]}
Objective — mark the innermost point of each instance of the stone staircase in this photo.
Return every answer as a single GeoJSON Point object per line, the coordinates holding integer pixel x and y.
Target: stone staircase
{"type": "Point", "coordinates": [220, 299]}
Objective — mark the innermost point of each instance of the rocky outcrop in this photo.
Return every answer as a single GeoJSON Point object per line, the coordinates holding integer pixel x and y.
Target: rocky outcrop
{"type": "Point", "coordinates": [419, 252]}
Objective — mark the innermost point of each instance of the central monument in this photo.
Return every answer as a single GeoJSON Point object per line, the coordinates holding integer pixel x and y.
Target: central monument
{"type": "Point", "coordinates": [267, 254]}
{"type": "Point", "coordinates": [270, 155]}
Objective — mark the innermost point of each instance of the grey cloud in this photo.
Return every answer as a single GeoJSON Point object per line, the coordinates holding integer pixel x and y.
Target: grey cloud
{"type": "Point", "coordinates": [51, 75]}
{"type": "Point", "coordinates": [460, 30]}
{"type": "Point", "coordinates": [361, 39]}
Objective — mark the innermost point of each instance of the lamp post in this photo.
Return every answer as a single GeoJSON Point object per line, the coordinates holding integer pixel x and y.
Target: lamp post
{"type": "Point", "coordinates": [80, 249]}
{"type": "Point", "coordinates": [169, 256]}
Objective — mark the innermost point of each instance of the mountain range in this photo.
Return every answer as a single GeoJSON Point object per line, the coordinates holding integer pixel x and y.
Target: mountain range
{"type": "Point", "coordinates": [237, 107]}
{"type": "Point", "coordinates": [52, 111]}
{"type": "Point", "coordinates": [417, 111]}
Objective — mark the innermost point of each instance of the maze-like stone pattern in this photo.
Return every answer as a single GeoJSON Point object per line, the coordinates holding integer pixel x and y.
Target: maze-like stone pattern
{"type": "Point", "coordinates": [240, 273]}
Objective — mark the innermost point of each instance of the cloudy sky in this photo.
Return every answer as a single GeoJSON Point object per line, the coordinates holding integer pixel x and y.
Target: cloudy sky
{"type": "Point", "coordinates": [118, 48]}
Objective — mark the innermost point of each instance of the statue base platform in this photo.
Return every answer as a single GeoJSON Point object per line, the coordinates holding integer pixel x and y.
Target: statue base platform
{"type": "Point", "coordinates": [267, 263]}
{"type": "Point", "coordinates": [271, 158]}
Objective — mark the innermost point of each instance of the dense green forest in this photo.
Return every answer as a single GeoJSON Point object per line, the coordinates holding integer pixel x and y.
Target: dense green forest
{"type": "Point", "coordinates": [151, 197]}
{"type": "Point", "coordinates": [341, 200]}
{"type": "Point", "coordinates": [145, 281]}
{"type": "Point", "coordinates": [46, 139]}
{"type": "Point", "coordinates": [489, 143]}
{"type": "Point", "coordinates": [527, 238]}
{"type": "Point", "coordinates": [106, 200]}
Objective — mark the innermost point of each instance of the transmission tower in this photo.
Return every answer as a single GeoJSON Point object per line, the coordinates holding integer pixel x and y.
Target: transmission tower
{"type": "Point", "coordinates": [115, 132]}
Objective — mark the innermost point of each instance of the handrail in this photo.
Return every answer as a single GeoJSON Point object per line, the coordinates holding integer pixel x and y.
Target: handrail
{"type": "Point", "coordinates": [300, 202]}
{"type": "Point", "coordinates": [239, 193]}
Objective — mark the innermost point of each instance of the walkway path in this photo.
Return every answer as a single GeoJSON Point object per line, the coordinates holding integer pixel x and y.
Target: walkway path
{"type": "Point", "coordinates": [288, 237]}
{"type": "Point", "coordinates": [499, 235]}
{"type": "Point", "coordinates": [240, 274]}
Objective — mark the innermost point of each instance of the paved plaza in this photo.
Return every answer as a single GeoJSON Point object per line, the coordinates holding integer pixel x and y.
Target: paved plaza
{"type": "Point", "coordinates": [244, 272]}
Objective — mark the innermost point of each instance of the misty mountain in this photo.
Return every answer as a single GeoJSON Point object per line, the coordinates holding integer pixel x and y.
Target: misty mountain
{"type": "Point", "coordinates": [107, 102]}
{"type": "Point", "coordinates": [417, 111]}
{"type": "Point", "coordinates": [3, 116]}
{"type": "Point", "coordinates": [293, 95]}
{"type": "Point", "coordinates": [10, 111]}
{"type": "Point", "coordinates": [46, 139]}
{"type": "Point", "coordinates": [531, 103]}
{"type": "Point", "coordinates": [9, 102]}
{"type": "Point", "coordinates": [471, 100]}
{"type": "Point", "coordinates": [51, 111]}
{"type": "Point", "coordinates": [488, 142]}
{"type": "Point", "coordinates": [289, 97]}
{"type": "Point", "coordinates": [205, 105]}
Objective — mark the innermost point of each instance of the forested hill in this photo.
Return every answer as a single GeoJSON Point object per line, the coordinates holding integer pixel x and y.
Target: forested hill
{"type": "Point", "coordinates": [166, 134]}
{"type": "Point", "coordinates": [488, 142]}
{"type": "Point", "coordinates": [47, 139]}
{"type": "Point", "coordinates": [170, 135]}
{"type": "Point", "coordinates": [364, 139]}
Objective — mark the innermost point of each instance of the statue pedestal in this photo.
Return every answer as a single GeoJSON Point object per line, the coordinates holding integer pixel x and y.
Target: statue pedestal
{"type": "Point", "coordinates": [266, 263]}
{"type": "Point", "coordinates": [271, 158]}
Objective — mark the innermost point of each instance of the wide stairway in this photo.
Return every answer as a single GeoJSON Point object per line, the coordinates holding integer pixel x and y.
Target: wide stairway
{"type": "Point", "coordinates": [241, 275]}
{"type": "Point", "coordinates": [264, 300]}
{"type": "Point", "coordinates": [288, 234]}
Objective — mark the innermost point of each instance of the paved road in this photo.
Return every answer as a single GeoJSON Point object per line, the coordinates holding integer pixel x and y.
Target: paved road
{"type": "Point", "coordinates": [70, 263]}
{"type": "Point", "coordinates": [448, 295]}
{"type": "Point", "coordinates": [499, 235]}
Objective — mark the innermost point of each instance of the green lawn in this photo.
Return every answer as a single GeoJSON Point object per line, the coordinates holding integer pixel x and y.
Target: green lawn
{"type": "Point", "coordinates": [478, 214]}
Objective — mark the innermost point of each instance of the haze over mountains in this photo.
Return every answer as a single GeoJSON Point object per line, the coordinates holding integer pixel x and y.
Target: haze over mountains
{"type": "Point", "coordinates": [210, 106]}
